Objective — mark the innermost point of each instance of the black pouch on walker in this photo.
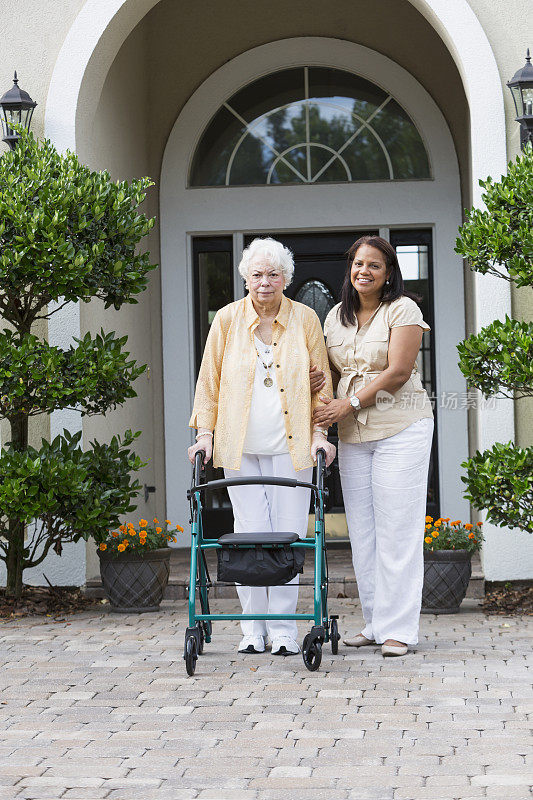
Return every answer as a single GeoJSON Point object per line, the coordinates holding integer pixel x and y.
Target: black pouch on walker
{"type": "Point", "coordinates": [257, 565]}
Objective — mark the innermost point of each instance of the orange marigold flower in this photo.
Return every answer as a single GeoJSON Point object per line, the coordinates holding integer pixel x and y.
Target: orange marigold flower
{"type": "Point", "coordinates": [428, 527]}
{"type": "Point", "coordinates": [435, 534]}
{"type": "Point", "coordinates": [158, 530]}
{"type": "Point", "coordinates": [479, 524]}
{"type": "Point", "coordinates": [445, 519]}
{"type": "Point", "coordinates": [438, 523]}
{"type": "Point", "coordinates": [143, 540]}
{"type": "Point", "coordinates": [121, 548]}
{"type": "Point", "coordinates": [456, 522]}
{"type": "Point", "coordinates": [122, 528]}
{"type": "Point", "coordinates": [179, 528]}
{"type": "Point", "coordinates": [142, 533]}
{"type": "Point", "coordinates": [156, 521]}
{"type": "Point", "coordinates": [125, 542]}
{"type": "Point", "coordinates": [114, 534]}
{"type": "Point", "coordinates": [468, 526]}
{"type": "Point", "coordinates": [174, 539]}
{"type": "Point", "coordinates": [429, 519]}
{"type": "Point", "coordinates": [168, 522]}
{"type": "Point", "coordinates": [143, 522]}
{"type": "Point", "coordinates": [471, 535]}
{"type": "Point", "coordinates": [103, 546]}
{"type": "Point", "coordinates": [428, 539]}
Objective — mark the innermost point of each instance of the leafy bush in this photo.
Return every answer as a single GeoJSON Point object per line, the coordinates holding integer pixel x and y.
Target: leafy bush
{"type": "Point", "coordinates": [501, 481]}
{"type": "Point", "coordinates": [498, 240]}
{"type": "Point", "coordinates": [499, 359]}
{"type": "Point", "coordinates": [66, 234]}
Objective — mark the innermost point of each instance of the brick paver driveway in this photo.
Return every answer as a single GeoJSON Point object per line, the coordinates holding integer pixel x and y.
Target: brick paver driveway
{"type": "Point", "coordinates": [99, 706]}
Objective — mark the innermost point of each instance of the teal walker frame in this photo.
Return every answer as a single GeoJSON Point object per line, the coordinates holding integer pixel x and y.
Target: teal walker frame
{"type": "Point", "coordinates": [199, 630]}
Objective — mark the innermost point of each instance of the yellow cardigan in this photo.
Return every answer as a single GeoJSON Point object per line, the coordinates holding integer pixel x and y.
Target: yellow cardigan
{"type": "Point", "coordinates": [224, 388]}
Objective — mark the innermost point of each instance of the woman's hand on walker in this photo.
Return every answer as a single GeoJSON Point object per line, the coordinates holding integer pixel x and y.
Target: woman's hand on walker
{"type": "Point", "coordinates": [205, 443]}
{"type": "Point", "coordinates": [316, 379]}
{"type": "Point", "coordinates": [331, 412]}
{"type": "Point", "coordinates": [319, 442]}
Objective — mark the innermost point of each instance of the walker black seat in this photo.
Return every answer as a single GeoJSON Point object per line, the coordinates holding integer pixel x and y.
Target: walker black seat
{"type": "Point", "coordinates": [258, 538]}
{"type": "Point", "coordinates": [267, 558]}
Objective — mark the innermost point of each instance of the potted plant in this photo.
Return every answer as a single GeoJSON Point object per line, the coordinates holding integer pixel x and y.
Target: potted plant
{"type": "Point", "coordinates": [448, 548]}
{"type": "Point", "coordinates": [135, 564]}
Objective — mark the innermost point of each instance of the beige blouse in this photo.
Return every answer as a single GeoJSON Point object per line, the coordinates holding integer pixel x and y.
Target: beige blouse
{"type": "Point", "coordinates": [225, 383]}
{"type": "Point", "coordinates": [358, 355]}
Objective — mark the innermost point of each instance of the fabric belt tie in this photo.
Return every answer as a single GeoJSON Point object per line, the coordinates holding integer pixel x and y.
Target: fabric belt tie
{"type": "Point", "coordinates": [349, 377]}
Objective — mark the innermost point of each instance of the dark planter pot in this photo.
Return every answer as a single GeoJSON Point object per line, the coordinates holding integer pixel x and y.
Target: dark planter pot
{"type": "Point", "coordinates": [446, 576]}
{"type": "Point", "coordinates": [135, 582]}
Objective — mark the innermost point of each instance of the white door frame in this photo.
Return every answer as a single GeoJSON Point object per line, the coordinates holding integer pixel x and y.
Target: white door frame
{"type": "Point", "coordinates": [185, 212]}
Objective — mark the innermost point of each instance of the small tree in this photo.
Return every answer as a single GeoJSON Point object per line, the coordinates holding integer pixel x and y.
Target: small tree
{"type": "Point", "coordinates": [499, 360]}
{"type": "Point", "coordinates": [67, 234]}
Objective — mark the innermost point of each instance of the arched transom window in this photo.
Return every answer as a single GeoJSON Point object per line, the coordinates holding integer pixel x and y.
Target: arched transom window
{"type": "Point", "coordinates": [309, 125]}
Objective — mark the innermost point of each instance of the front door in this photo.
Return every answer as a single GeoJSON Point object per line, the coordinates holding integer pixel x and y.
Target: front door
{"type": "Point", "coordinates": [320, 266]}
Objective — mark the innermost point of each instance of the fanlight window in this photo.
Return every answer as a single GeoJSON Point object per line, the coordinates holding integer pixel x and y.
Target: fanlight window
{"type": "Point", "coordinates": [309, 125]}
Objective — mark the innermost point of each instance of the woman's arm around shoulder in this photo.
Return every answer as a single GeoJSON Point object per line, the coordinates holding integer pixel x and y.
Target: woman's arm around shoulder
{"type": "Point", "coordinates": [318, 354]}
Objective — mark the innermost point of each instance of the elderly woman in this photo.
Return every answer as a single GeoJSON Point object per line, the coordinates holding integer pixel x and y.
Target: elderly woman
{"type": "Point", "coordinates": [385, 431]}
{"type": "Point", "coordinates": [253, 398]}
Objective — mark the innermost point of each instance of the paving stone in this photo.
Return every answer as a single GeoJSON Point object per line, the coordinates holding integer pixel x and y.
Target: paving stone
{"type": "Point", "coordinates": [103, 710]}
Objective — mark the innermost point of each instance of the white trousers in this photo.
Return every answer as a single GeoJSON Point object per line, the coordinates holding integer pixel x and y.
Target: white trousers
{"type": "Point", "coordinates": [269, 508]}
{"type": "Point", "coordinates": [384, 484]}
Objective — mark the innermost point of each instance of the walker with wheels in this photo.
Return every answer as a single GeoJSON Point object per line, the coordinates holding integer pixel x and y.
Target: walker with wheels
{"type": "Point", "coordinates": [276, 548]}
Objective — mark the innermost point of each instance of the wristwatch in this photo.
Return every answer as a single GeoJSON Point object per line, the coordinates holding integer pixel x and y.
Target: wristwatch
{"type": "Point", "coordinates": [355, 403]}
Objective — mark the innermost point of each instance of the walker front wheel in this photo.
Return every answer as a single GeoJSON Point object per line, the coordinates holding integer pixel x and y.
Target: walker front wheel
{"type": "Point", "coordinates": [311, 652]}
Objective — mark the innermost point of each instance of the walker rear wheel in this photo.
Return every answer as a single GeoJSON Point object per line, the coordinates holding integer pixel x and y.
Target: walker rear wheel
{"type": "Point", "coordinates": [191, 654]}
{"type": "Point", "coordinates": [334, 635]}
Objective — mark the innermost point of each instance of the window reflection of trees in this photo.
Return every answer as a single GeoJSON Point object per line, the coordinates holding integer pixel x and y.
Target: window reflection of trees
{"type": "Point", "coordinates": [314, 139]}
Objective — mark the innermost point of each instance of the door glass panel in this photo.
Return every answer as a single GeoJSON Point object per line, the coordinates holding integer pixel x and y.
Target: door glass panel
{"type": "Point", "coordinates": [414, 250]}
{"type": "Point", "coordinates": [213, 285]}
{"type": "Point", "coordinates": [317, 296]}
{"type": "Point", "coordinates": [413, 260]}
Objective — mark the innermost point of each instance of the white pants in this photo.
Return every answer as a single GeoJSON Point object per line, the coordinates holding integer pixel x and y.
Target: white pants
{"type": "Point", "coordinates": [269, 508]}
{"type": "Point", "coordinates": [384, 484]}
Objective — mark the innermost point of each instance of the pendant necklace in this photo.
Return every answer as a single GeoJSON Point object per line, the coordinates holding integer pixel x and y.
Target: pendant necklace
{"type": "Point", "coordinates": [268, 380]}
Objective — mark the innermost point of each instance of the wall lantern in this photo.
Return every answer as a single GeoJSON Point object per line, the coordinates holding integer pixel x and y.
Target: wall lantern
{"type": "Point", "coordinates": [17, 108]}
{"type": "Point", "coordinates": [521, 86]}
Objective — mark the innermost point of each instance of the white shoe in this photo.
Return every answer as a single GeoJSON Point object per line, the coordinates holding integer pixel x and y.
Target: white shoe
{"type": "Point", "coordinates": [252, 644]}
{"type": "Point", "coordinates": [358, 641]}
{"type": "Point", "coordinates": [394, 649]}
{"type": "Point", "coordinates": [284, 646]}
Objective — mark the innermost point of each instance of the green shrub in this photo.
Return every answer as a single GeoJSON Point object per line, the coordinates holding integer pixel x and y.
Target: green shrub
{"type": "Point", "coordinates": [66, 234]}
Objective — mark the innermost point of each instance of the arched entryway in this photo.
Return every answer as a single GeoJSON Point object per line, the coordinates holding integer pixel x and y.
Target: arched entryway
{"type": "Point", "coordinates": [239, 162]}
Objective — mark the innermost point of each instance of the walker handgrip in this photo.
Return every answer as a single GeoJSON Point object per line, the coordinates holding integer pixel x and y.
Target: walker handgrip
{"type": "Point", "coordinates": [198, 465]}
{"type": "Point", "coordinates": [320, 467]}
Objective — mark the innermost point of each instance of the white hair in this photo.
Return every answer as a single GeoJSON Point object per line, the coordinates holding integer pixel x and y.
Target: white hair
{"type": "Point", "coordinates": [276, 254]}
